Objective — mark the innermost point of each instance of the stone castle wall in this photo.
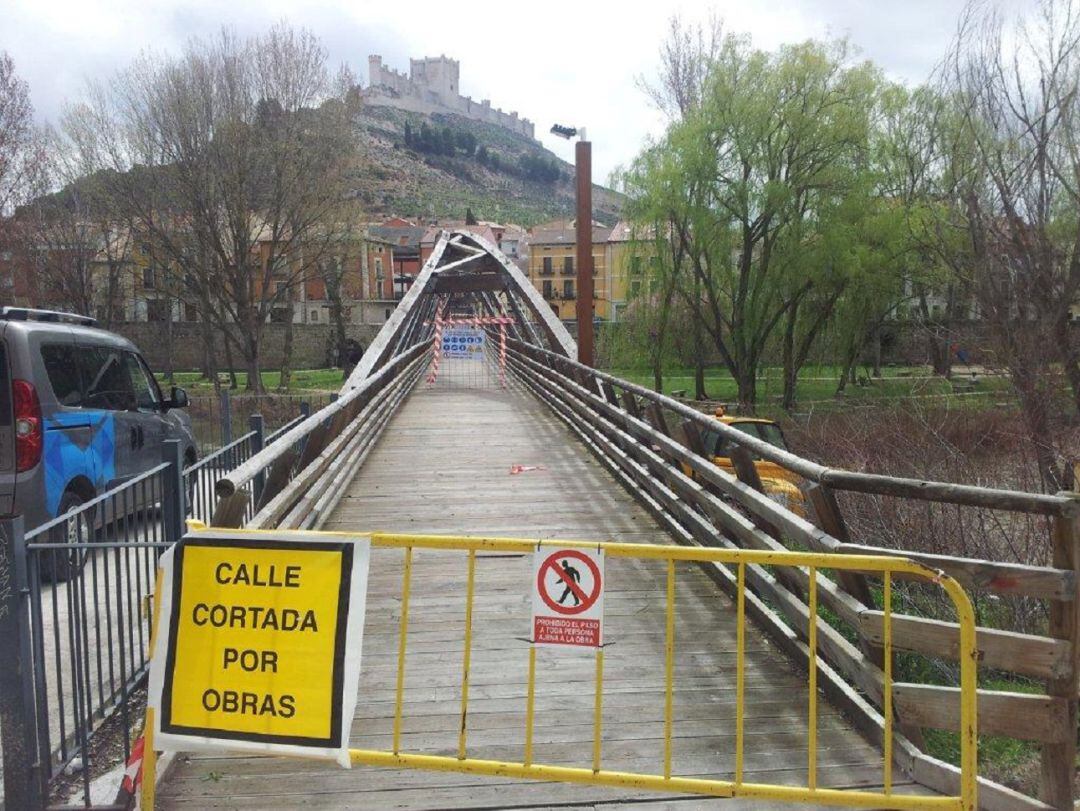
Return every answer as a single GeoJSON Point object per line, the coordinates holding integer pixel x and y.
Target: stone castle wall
{"type": "Point", "coordinates": [432, 87]}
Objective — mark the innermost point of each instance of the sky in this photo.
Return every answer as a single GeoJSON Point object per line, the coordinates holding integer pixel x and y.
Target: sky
{"type": "Point", "coordinates": [557, 61]}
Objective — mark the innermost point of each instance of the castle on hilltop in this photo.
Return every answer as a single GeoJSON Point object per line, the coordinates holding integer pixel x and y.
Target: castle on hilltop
{"type": "Point", "coordinates": [432, 87]}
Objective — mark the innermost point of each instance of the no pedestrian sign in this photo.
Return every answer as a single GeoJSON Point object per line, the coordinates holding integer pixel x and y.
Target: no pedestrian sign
{"type": "Point", "coordinates": [568, 597]}
{"type": "Point", "coordinates": [258, 644]}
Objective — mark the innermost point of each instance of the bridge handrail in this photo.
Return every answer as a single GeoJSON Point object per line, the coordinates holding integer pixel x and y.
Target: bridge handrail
{"type": "Point", "coordinates": [228, 485]}
{"type": "Point", "coordinates": [701, 504]}
{"type": "Point", "coordinates": [874, 483]}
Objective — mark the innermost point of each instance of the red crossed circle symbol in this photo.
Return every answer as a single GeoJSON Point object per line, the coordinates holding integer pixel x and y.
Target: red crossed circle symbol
{"type": "Point", "coordinates": [587, 600]}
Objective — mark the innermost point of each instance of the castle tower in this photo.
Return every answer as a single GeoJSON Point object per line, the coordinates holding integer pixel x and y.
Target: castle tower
{"type": "Point", "coordinates": [375, 69]}
{"type": "Point", "coordinates": [437, 75]}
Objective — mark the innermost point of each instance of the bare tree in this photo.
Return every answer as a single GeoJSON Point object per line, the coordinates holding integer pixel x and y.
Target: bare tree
{"type": "Point", "coordinates": [686, 58]}
{"type": "Point", "coordinates": [16, 135]}
{"type": "Point", "coordinates": [77, 249]}
{"type": "Point", "coordinates": [1016, 82]}
{"type": "Point", "coordinates": [235, 160]}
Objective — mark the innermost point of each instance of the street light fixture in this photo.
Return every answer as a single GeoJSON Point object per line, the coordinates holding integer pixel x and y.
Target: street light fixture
{"type": "Point", "coordinates": [584, 304]}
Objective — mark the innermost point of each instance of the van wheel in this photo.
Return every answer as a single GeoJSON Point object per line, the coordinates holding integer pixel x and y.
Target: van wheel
{"type": "Point", "coordinates": [59, 565]}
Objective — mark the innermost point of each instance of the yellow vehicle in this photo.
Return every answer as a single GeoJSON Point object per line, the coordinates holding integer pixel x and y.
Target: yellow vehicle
{"type": "Point", "coordinates": [781, 485]}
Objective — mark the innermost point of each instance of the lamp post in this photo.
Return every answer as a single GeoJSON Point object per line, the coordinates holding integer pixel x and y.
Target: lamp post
{"type": "Point", "coordinates": [584, 304]}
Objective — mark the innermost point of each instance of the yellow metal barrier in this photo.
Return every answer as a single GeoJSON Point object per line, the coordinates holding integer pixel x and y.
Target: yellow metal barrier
{"type": "Point", "coordinates": [884, 566]}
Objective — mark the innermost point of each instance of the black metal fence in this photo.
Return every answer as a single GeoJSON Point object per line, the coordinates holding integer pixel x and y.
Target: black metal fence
{"type": "Point", "coordinates": [80, 640]}
{"type": "Point", "coordinates": [218, 419]}
{"type": "Point", "coordinates": [201, 477]}
{"type": "Point", "coordinates": [75, 616]}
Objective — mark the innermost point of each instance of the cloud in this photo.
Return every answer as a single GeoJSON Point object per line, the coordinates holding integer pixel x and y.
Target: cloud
{"type": "Point", "coordinates": [560, 61]}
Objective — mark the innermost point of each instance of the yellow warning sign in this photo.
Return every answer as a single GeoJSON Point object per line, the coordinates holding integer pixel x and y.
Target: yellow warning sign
{"type": "Point", "coordinates": [257, 642]}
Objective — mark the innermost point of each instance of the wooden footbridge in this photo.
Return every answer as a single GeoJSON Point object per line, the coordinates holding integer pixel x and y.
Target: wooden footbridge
{"type": "Point", "coordinates": [732, 667]}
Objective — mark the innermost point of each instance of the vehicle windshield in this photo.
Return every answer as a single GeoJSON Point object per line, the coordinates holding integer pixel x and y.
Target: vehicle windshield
{"type": "Point", "coordinates": [772, 434]}
{"type": "Point", "coordinates": [769, 431]}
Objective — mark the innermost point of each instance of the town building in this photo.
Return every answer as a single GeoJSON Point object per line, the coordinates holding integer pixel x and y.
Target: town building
{"type": "Point", "coordinates": [405, 238]}
{"type": "Point", "coordinates": [553, 271]}
{"type": "Point", "coordinates": [620, 257]}
{"type": "Point", "coordinates": [512, 240]}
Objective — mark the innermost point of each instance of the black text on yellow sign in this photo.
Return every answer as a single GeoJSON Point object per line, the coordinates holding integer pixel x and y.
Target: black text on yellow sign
{"type": "Point", "coordinates": [256, 648]}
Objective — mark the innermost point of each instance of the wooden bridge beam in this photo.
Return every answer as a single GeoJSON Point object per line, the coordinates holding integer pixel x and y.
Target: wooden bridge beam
{"type": "Point", "coordinates": [1059, 759]}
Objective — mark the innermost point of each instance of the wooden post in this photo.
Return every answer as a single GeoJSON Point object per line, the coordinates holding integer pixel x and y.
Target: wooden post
{"type": "Point", "coordinates": [630, 404]}
{"type": "Point", "coordinates": [1059, 759]}
{"type": "Point", "coordinates": [609, 392]}
{"type": "Point", "coordinates": [280, 473]}
{"type": "Point", "coordinates": [747, 473]}
{"type": "Point", "coordinates": [745, 469]}
{"type": "Point", "coordinates": [692, 438]}
{"type": "Point", "coordinates": [230, 510]}
{"type": "Point", "coordinates": [584, 308]}
{"type": "Point", "coordinates": [316, 442]}
{"type": "Point", "coordinates": [823, 501]}
{"type": "Point", "coordinates": [656, 418]}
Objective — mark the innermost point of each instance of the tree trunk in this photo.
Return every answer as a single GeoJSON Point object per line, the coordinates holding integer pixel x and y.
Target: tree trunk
{"type": "Point", "coordinates": [747, 382]}
{"type": "Point", "coordinates": [937, 335]}
{"type": "Point", "coordinates": [229, 362]}
{"type": "Point", "coordinates": [337, 318]}
{"type": "Point", "coordinates": [1035, 405]}
{"type": "Point", "coordinates": [847, 374]}
{"type": "Point", "coordinates": [791, 374]}
{"type": "Point", "coordinates": [251, 347]}
{"type": "Point", "coordinates": [658, 374]}
{"type": "Point", "coordinates": [254, 372]}
{"type": "Point", "coordinates": [210, 368]}
{"type": "Point", "coordinates": [940, 359]}
{"type": "Point", "coordinates": [699, 349]}
{"type": "Point", "coordinates": [168, 343]}
{"type": "Point", "coordinates": [287, 349]}
{"type": "Point", "coordinates": [876, 346]}
{"type": "Point", "coordinates": [1070, 358]}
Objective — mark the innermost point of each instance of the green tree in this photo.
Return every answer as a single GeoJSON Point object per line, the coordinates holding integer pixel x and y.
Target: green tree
{"type": "Point", "coordinates": [744, 181]}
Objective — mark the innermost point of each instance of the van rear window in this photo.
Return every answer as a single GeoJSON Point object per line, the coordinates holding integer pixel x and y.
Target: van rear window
{"type": "Point", "coordinates": [5, 388]}
{"type": "Point", "coordinates": [63, 370]}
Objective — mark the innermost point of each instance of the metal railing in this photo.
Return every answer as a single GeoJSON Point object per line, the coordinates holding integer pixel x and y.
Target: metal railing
{"type": "Point", "coordinates": [741, 563]}
{"type": "Point", "coordinates": [638, 435]}
{"type": "Point", "coordinates": [78, 639]}
{"type": "Point", "coordinates": [217, 419]}
{"type": "Point", "coordinates": [289, 483]}
{"type": "Point", "coordinates": [77, 605]}
{"type": "Point", "coordinates": [201, 478]}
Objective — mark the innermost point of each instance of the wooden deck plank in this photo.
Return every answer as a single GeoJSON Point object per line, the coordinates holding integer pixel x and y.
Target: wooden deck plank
{"type": "Point", "coordinates": [444, 467]}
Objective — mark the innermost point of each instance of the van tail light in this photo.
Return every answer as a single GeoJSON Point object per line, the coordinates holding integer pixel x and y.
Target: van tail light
{"type": "Point", "coordinates": [29, 431]}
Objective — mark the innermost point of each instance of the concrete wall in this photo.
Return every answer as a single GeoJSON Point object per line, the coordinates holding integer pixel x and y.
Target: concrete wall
{"type": "Point", "coordinates": [312, 344]}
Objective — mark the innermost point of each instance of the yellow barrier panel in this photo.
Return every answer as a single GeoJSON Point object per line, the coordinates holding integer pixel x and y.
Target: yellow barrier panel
{"type": "Point", "coordinates": [881, 565]}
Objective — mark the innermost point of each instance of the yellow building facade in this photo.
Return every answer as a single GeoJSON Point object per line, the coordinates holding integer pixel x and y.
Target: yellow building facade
{"type": "Point", "coordinates": [617, 263]}
{"type": "Point", "coordinates": [553, 268]}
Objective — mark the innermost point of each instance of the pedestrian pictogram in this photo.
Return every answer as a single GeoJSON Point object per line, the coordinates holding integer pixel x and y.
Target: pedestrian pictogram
{"type": "Point", "coordinates": [568, 597]}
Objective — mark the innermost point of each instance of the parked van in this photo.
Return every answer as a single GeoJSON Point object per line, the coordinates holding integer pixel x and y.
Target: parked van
{"type": "Point", "coordinates": [80, 413]}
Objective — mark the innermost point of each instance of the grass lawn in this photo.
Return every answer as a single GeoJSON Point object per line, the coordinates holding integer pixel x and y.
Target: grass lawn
{"type": "Point", "coordinates": [818, 384]}
{"type": "Point", "coordinates": [302, 380]}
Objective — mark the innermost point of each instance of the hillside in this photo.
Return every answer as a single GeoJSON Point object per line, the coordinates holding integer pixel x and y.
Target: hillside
{"type": "Point", "coordinates": [487, 173]}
